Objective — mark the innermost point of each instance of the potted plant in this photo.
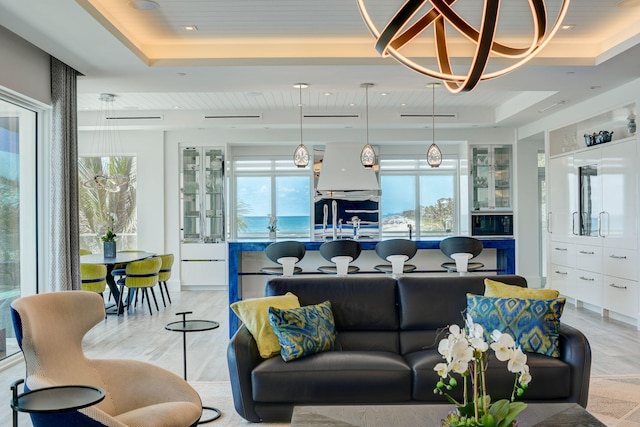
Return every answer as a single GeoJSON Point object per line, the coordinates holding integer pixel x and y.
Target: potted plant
{"type": "Point", "coordinates": [272, 227]}
{"type": "Point", "coordinates": [109, 244]}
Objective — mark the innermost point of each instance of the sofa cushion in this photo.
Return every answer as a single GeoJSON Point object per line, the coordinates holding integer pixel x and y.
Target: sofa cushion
{"type": "Point", "coordinates": [353, 300]}
{"type": "Point", "coordinates": [534, 324]}
{"type": "Point", "coordinates": [493, 288]}
{"type": "Point", "coordinates": [550, 377]}
{"type": "Point", "coordinates": [303, 331]}
{"type": "Point", "coordinates": [254, 314]}
{"type": "Point", "coordinates": [343, 377]}
{"type": "Point", "coordinates": [421, 312]}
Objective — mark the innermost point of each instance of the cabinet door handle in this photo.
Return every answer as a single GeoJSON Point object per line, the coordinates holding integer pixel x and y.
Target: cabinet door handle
{"type": "Point", "coordinates": [564, 273]}
{"type": "Point", "coordinates": [613, 285]}
{"type": "Point", "coordinates": [617, 257]}
{"type": "Point", "coordinates": [561, 249]}
{"type": "Point", "coordinates": [573, 223]}
{"type": "Point", "coordinates": [587, 253]}
{"type": "Point", "coordinates": [549, 225]}
{"type": "Point", "coordinates": [588, 279]}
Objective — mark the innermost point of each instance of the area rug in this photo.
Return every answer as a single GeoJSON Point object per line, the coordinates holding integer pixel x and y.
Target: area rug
{"type": "Point", "coordinates": [614, 400]}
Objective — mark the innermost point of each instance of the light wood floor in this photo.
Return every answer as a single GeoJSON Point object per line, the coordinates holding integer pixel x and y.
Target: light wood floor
{"type": "Point", "coordinates": [615, 345]}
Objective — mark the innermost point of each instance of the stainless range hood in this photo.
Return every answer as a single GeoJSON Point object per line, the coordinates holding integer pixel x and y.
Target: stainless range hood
{"type": "Point", "coordinates": [342, 176]}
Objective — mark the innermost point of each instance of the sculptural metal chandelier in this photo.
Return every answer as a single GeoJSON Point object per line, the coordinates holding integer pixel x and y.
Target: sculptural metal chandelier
{"type": "Point", "coordinates": [106, 143]}
{"type": "Point", "coordinates": [405, 26]}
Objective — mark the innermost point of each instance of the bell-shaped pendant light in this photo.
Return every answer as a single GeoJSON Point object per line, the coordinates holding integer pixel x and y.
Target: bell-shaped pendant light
{"type": "Point", "coordinates": [301, 155]}
{"type": "Point", "coordinates": [368, 154]}
{"type": "Point", "coordinates": [434, 155]}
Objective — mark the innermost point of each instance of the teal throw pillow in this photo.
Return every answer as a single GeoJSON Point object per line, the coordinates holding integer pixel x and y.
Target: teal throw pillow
{"type": "Point", "coordinates": [533, 323]}
{"type": "Point", "coordinates": [303, 331]}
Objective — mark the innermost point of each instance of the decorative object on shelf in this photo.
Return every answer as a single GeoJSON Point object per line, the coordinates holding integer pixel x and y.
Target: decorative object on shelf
{"type": "Point", "coordinates": [106, 142]}
{"type": "Point", "coordinates": [466, 354]}
{"type": "Point", "coordinates": [272, 227]}
{"type": "Point", "coordinates": [598, 138]}
{"type": "Point", "coordinates": [434, 155]}
{"type": "Point", "coordinates": [367, 155]}
{"type": "Point", "coordinates": [109, 244]}
{"type": "Point", "coordinates": [301, 154]}
{"type": "Point", "coordinates": [405, 26]}
{"type": "Point", "coordinates": [631, 124]}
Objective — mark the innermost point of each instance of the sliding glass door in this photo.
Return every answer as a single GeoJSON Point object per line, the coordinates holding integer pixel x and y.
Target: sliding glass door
{"type": "Point", "coordinates": [18, 224]}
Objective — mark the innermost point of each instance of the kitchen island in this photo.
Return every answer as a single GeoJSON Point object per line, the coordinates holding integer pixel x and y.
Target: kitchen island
{"type": "Point", "coordinates": [245, 258]}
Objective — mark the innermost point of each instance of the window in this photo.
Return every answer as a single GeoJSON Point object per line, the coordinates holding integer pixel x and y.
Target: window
{"type": "Point", "coordinates": [418, 197]}
{"type": "Point", "coordinates": [101, 210]}
{"type": "Point", "coordinates": [18, 256]}
{"type": "Point", "coordinates": [271, 187]}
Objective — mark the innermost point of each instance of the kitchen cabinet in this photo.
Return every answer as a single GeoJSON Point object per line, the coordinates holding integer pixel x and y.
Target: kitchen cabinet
{"type": "Point", "coordinates": [202, 222]}
{"type": "Point", "coordinates": [491, 178]}
{"type": "Point", "coordinates": [593, 226]}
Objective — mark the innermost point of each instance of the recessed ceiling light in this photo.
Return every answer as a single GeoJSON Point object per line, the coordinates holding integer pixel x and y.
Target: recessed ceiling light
{"type": "Point", "coordinates": [178, 107]}
{"type": "Point", "coordinates": [568, 26]}
{"type": "Point", "coordinates": [144, 4]}
{"type": "Point", "coordinates": [403, 105]}
{"type": "Point", "coordinates": [301, 85]}
{"type": "Point", "coordinates": [352, 105]}
{"type": "Point", "coordinates": [383, 94]}
{"type": "Point", "coordinates": [190, 28]}
{"type": "Point", "coordinates": [327, 94]}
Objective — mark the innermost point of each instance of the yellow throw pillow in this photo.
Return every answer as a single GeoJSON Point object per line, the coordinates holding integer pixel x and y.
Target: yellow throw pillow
{"type": "Point", "coordinates": [496, 289]}
{"type": "Point", "coordinates": [254, 313]}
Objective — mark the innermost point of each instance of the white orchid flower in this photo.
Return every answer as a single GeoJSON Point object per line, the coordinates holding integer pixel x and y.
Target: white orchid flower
{"type": "Point", "coordinates": [459, 366]}
{"type": "Point", "coordinates": [525, 376]}
{"type": "Point", "coordinates": [479, 344]}
{"type": "Point", "coordinates": [442, 369]}
{"type": "Point", "coordinates": [444, 348]}
{"type": "Point", "coordinates": [503, 347]}
{"type": "Point", "coordinates": [455, 331]}
{"type": "Point", "coordinates": [517, 362]}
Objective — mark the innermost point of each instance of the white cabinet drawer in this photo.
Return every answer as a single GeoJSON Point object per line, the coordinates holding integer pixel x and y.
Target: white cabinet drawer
{"type": "Point", "coordinates": [203, 273]}
{"type": "Point", "coordinates": [621, 296]}
{"type": "Point", "coordinates": [588, 257]}
{"type": "Point", "coordinates": [620, 263]}
{"type": "Point", "coordinates": [562, 253]}
{"type": "Point", "coordinates": [589, 287]}
{"type": "Point", "coordinates": [203, 251]}
{"type": "Point", "coordinates": [563, 279]}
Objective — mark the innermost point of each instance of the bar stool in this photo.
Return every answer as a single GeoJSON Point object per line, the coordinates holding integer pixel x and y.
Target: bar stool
{"type": "Point", "coordinates": [461, 250]}
{"type": "Point", "coordinates": [397, 252]}
{"type": "Point", "coordinates": [287, 254]}
{"type": "Point", "coordinates": [341, 253]}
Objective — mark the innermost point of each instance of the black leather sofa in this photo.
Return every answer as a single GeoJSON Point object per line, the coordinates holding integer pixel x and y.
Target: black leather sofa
{"type": "Point", "coordinates": [388, 332]}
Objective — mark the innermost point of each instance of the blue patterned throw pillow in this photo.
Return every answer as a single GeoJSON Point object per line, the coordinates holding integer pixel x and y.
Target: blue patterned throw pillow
{"type": "Point", "coordinates": [533, 323]}
{"type": "Point", "coordinates": [303, 331]}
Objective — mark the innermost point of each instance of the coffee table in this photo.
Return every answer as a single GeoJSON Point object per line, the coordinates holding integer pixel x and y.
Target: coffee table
{"type": "Point", "coordinates": [536, 414]}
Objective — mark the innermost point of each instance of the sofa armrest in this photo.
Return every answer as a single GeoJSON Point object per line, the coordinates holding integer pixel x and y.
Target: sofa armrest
{"type": "Point", "coordinates": [242, 357]}
{"type": "Point", "coordinates": [576, 351]}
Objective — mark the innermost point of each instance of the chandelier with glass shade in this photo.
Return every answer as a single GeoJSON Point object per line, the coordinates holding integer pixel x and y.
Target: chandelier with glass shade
{"type": "Point", "coordinates": [301, 155]}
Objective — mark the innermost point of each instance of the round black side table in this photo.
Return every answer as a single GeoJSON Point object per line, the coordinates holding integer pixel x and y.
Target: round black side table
{"type": "Point", "coordinates": [50, 400]}
{"type": "Point", "coordinates": [193, 325]}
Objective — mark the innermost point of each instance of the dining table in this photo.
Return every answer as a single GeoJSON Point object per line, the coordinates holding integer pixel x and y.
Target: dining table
{"type": "Point", "coordinates": [121, 258]}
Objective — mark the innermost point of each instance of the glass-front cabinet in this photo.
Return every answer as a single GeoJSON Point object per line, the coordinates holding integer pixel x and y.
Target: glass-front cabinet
{"type": "Point", "coordinates": [202, 191]}
{"type": "Point", "coordinates": [491, 177]}
{"type": "Point", "coordinates": [203, 248]}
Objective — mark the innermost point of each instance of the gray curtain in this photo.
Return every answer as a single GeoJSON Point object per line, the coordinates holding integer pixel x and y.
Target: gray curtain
{"type": "Point", "coordinates": [64, 264]}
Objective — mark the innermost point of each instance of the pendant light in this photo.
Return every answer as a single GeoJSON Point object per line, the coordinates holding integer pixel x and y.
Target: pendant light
{"type": "Point", "coordinates": [106, 142]}
{"type": "Point", "coordinates": [301, 154]}
{"type": "Point", "coordinates": [434, 155]}
{"type": "Point", "coordinates": [367, 155]}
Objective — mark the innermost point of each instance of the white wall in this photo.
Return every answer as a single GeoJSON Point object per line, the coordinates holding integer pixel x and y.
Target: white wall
{"type": "Point", "coordinates": [24, 69]}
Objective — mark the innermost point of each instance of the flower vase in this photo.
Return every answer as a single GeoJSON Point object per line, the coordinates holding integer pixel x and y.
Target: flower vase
{"type": "Point", "coordinates": [272, 236]}
{"type": "Point", "coordinates": [109, 249]}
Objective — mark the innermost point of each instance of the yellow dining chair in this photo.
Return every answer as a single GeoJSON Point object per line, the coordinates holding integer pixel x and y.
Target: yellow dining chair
{"type": "Point", "coordinates": [164, 275]}
{"type": "Point", "coordinates": [94, 277]}
{"type": "Point", "coordinates": [141, 275]}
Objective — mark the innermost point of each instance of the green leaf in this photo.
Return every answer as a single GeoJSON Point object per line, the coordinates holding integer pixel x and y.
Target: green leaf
{"type": "Point", "coordinates": [488, 420]}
